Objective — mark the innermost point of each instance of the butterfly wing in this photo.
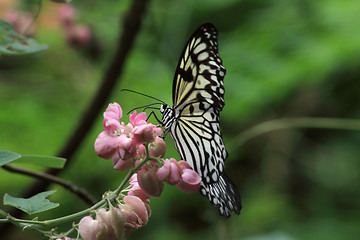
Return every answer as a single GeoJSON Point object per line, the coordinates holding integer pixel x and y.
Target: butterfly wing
{"type": "Point", "coordinates": [198, 139]}
{"type": "Point", "coordinates": [200, 73]}
{"type": "Point", "coordinates": [198, 98]}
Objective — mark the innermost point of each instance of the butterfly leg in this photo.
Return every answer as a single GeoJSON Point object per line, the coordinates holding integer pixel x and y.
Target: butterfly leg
{"type": "Point", "coordinates": [157, 119]}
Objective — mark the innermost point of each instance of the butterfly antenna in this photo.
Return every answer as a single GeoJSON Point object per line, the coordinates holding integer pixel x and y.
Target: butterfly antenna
{"type": "Point", "coordinates": [143, 94]}
{"type": "Point", "coordinates": [145, 107]}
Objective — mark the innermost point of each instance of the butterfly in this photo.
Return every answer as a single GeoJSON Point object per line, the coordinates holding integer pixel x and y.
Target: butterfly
{"type": "Point", "coordinates": [193, 121]}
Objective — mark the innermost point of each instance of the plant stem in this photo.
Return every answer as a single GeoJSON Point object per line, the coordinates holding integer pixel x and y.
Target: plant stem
{"type": "Point", "coordinates": [34, 18]}
{"type": "Point", "coordinates": [77, 215]}
{"type": "Point", "coordinates": [134, 169]}
{"type": "Point", "coordinates": [61, 219]}
{"type": "Point", "coordinates": [302, 122]}
{"type": "Point", "coordinates": [3, 213]}
{"type": "Point", "coordinates": [80, 192]}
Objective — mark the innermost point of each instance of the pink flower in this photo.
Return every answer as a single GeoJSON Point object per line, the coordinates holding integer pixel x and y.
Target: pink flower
{"type": "Point", "coordinates": [91, 229]}
{"type": "Point", "coordinates": [158, 131]}
{"type": "Point", "coordinates": [164, 172]}
{"type": "Point", "coordinates": [138, 119]}
{"type": "Point", "coordinates": [141, 151]}
{"type": "Point", "coordinates": [135, 212]}
{"type": "Point", "coordinates": [179, 174]}
{"type": "Point", "coordinates": [113, 127]}
{"type": "Point", "coordinates": [78, 35]}
{"type": "Point", "coordinates": [122, 164]}
{"type": "Point", "coordinates": [114, 221]}
{"type": "Point", "coordinates": [143, 133]}
{"type": "Point", "coordinates": [20, 21]}
{"type": "Point", "coordinates": [190, 181]}
{"type": "Point", "coordinates": [67, 13]}
{"type": "Point", "coordinates": [127, 147]}
{"type": "Point", "coordinates": [169, 172]}
{"type": "Point", "coordinates": [113, 111]}
{"type": "Point", "coordinates": [106, 145]}
{"type": "Point", "coordinates": [115, 141]}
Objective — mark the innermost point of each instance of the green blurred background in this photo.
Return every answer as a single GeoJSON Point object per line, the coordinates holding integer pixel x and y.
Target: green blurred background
{"type": "Point", "coordinates": [283, 59]}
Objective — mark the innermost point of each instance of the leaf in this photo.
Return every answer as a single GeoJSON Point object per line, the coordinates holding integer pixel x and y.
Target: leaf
{"type": "Point", "coordinates": [7, 156]}
{"type": "Point", "coordinates": [12, 43]}
{"type": "Point", "coordinates": [46, 161]}
{"type": "Point", "coordinates": [35, 204]}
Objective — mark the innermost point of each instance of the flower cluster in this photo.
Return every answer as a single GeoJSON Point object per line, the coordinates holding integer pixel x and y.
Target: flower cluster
{"type": "Point", "coordinates": [76, 34]}
{"type": "Point", "coordinates": [117, 222]}
{"type": "Point", "coordinates": [124, 143]}
{"type": "Point", "coordinates": [136, 146]}
{"type": "Point", "coordinates": [20, 22]}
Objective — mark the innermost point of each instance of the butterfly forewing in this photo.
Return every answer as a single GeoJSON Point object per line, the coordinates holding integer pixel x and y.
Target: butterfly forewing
{"type": "Point", "coordinates": [199, 74]}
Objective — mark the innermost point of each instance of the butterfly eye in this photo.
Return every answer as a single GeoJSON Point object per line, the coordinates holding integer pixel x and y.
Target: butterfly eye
{"type": "Point", "coordinates": [163, 107]}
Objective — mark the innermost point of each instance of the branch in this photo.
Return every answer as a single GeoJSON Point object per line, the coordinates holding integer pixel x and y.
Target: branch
{"type": "Point", "coordinates": [80, 192]}
{"type": "Point", "coordinates": [301, 122]}
{"type": "Point", "coordinates": [131, 27]}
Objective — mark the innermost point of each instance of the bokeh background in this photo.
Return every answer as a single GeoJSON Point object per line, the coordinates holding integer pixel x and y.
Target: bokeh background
{"type": "Point", "coordinates": [283, 59]}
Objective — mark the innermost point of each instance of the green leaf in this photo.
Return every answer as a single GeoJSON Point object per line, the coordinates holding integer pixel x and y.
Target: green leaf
{"type": "Point", "coordinates": [46, 161]}
{"type": "Point", "coordinates": [12, 43]}
{"type": "Point", "coordinates": [7, 156]}
{"type": "Point", "coordinates": [35, 204]}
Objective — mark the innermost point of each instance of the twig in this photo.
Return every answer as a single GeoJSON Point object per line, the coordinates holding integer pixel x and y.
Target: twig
{"type": "Point", "coordinates": [290, 123]}
{"type": "Point", "coordinates": [132, 24]}
{"type": "Point", "coordinates": [80, 192]}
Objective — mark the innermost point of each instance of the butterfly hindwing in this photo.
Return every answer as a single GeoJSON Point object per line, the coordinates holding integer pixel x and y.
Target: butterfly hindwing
{"type": "Point", "coordinates": [198, 139]}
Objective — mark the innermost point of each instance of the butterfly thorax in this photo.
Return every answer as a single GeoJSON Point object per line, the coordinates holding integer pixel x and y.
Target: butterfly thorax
{"type": "Point", "coordinates": [168, 116]}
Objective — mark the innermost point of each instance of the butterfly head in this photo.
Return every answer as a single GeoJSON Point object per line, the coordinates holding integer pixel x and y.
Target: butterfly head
{"type": "Point", "coordinates": [168, 115]}
{"type": "Point", "coordinates": [163, 107]}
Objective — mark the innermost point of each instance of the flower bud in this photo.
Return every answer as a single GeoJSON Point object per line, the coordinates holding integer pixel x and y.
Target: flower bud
{"type": "Point", "coordinates": [114, 221]}
{"type": "Point", "coordinates": [149, 182]}
{"type": "Point", "coordinates": [135, 189]}
{"type": "Point", "coordinates": [91, 229]}
{"type": "Point", "coordinates": [113, 111]}
{"type": "Point", "coordinates": [157, 148]}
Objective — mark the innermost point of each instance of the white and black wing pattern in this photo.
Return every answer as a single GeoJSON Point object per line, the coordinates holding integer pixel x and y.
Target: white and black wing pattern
{"type": "Point", "coordinates": [200, 73]}
{"type": "Point", "coordinates": [193, 122]}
